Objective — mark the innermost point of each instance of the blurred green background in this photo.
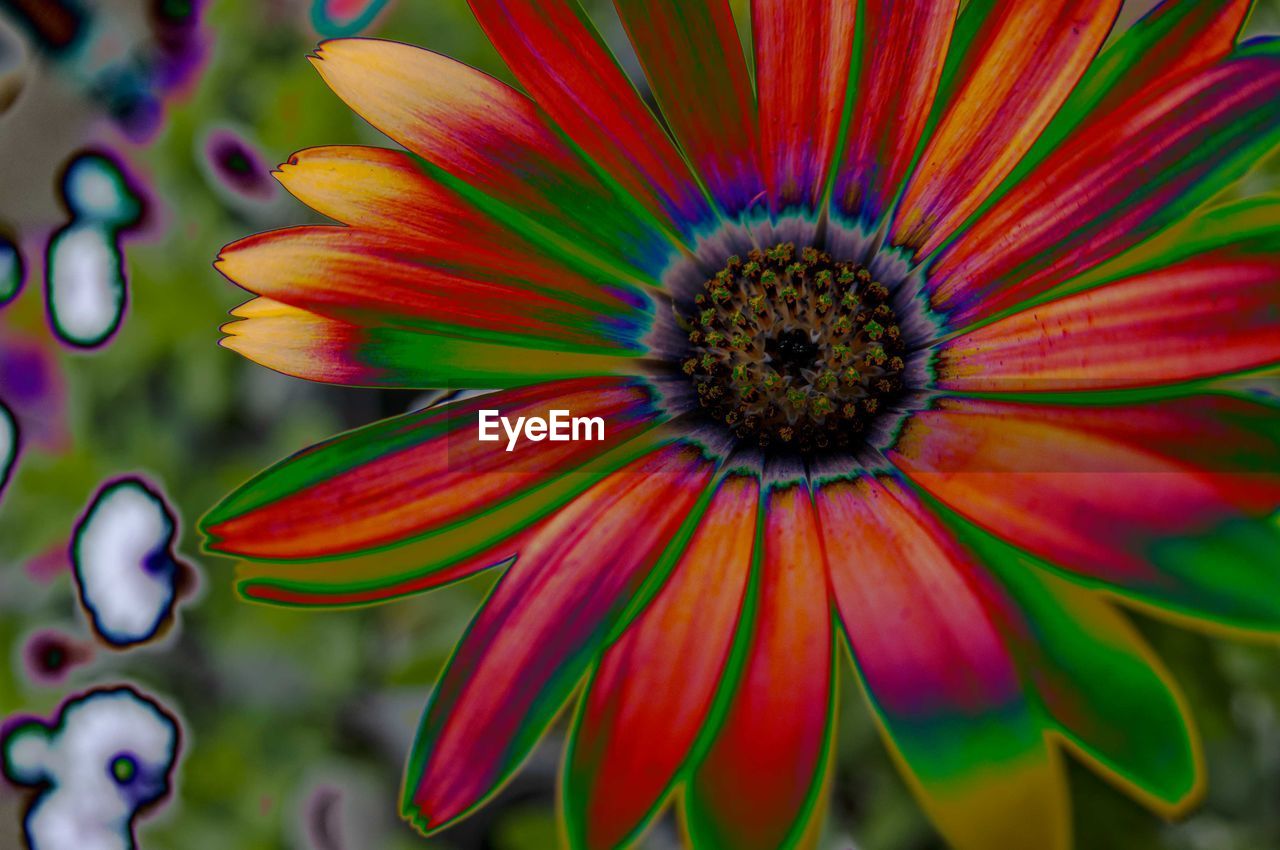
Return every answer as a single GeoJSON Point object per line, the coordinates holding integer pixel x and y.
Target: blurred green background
{"type": "Point", "coordinates": [299, 721]}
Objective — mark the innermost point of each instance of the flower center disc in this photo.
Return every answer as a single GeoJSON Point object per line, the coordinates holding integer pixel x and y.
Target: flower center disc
{"type": "Point", "coordinates": [795, 351]}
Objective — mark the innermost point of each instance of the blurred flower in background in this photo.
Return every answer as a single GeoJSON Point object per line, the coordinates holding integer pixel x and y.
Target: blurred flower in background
{"type": "Point", "coordinates": [296, 724]}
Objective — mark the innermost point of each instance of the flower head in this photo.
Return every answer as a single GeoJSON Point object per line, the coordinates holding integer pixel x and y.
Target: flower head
{"type": "Point", "coordinates": [921, 347]}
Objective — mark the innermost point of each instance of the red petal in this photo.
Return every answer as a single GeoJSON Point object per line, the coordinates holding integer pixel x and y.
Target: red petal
{"type": "Point", "coordinates": [1169, 501]}
{"type": "Point", "coordinates": [803, 52]}
{"type": "Point", "coordinates": [1209, 315]}
{"type": "Point", "coordinates": [376, 279]}
{"type": "Point", "coordinates": [760, 781]}
{"type": "Point", "coordinates": [902, 57]}
{"type": "Point", "coordinates": [1177, 37]}
{"type": "Point", "coordinates": [928, 629]}
{"type": "Point", "coordinates": [392, 192]}
{"type": "Point", "coordinates": [308, 345]}
{"type": "Point", "coordinates": [559, 58]}
{"type": "Point", "coordinates": [913, 604]}
{"type": "Point", "coordinates": [653, 690]}
{"type": "Point", "coordinates": [1136, 171]}
{"type": "Point", "coordinates": [1018, 68]}
{"type": "Point", "coordinates": [691, 55]}
{"type": "Point", "coordinates": [531, 642]}
{"type": "Point", "coordinates": [405, 477]}
{"type": "Point", "coordinates": [493, 138]}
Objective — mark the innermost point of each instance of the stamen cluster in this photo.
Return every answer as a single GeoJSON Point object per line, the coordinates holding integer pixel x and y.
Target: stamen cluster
{"type": "Point", "coordinates": [794, 350]}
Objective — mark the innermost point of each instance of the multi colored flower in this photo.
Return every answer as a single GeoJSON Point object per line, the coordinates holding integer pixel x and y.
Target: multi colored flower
{"type": "Point", "coordinates": [932, 342]}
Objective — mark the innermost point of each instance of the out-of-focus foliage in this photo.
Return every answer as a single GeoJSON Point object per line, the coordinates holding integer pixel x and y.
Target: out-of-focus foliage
{"type": "Point", "coordinates": [297, 723]}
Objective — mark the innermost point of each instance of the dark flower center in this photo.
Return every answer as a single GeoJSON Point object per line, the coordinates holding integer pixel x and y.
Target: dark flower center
{"type": "Point", "coordinates": [795, 351]}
